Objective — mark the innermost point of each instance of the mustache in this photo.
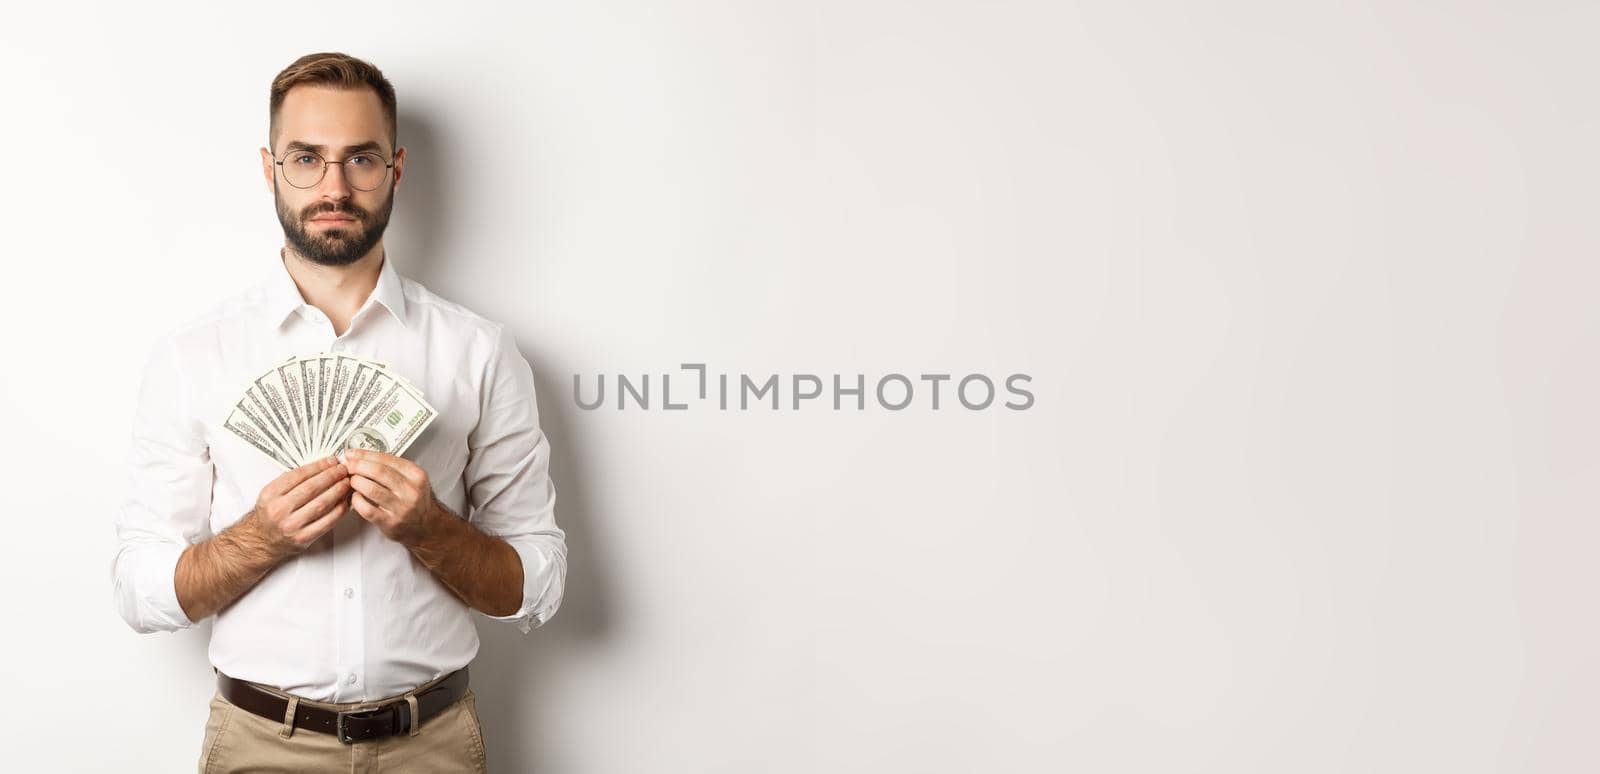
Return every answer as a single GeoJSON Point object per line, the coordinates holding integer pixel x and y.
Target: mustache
{"type": "Point", "coordinates": [346, 209]}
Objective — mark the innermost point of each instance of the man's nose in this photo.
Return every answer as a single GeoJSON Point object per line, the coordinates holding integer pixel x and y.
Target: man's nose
{"type": "Point", "coordinates": [333, 184]}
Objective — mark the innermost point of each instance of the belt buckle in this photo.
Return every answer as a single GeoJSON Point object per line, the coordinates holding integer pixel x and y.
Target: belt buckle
{"type": "Point", "coordinates": [367, 714]}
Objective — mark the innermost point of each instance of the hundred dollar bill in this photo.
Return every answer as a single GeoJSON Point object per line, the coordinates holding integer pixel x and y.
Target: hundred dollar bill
{"type": "Point", "coordinates": [263, 428]}
{"type": "Point", "coordinates": [361, 375]}
{"type": "Point", "coordinates": [288, 376]}
{"type": "Point", "coordinates": [341, 368]}
{"type": "Point", "coordinates": [391, 423]}
{"type": "Point", "coordinates": [243, 427]}
{"type": "Point", "coordinates": [268, 405]}
{"type": "Point", "coordinates": [367, 391]}
{"type": "Point", "coordinates": [311, 378]}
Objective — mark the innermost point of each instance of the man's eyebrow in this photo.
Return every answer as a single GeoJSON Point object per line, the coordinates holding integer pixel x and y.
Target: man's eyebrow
{"type": "Point", "coordinates": [369, 145]}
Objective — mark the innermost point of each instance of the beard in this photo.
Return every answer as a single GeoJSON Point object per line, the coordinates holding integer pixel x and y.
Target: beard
{"type": "Point", "coordinates": [339, 246]}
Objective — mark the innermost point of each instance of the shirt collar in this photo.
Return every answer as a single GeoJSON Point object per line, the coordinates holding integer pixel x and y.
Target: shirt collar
{"type": "Point", "coordinates": [284, 299]}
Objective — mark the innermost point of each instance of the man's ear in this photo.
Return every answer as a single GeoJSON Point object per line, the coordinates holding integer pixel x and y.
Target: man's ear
{"type": "Point", "coordinates": [399, 164]}
{"type": "Point", "coordinates": [266, 168]}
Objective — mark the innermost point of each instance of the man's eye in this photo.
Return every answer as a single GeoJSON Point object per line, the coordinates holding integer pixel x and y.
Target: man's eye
{"type": "Point", "coordinates": [305, 158]}
{"type": "Point", "coordinates": [361, 161]}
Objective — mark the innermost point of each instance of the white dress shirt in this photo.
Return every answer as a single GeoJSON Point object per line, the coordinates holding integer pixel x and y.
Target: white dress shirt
{"type": "Point", "coordinates": [355, 617]}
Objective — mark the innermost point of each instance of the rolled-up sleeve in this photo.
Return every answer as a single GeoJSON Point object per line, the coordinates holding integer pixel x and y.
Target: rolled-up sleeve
{"type": "Point", "coordinates": [168, 501]}
{"type": "Point", "coordinates": [508, 481]}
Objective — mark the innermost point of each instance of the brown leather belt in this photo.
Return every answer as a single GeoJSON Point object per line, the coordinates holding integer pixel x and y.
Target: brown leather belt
{"type": "Point", "coordinates": [388, 719]}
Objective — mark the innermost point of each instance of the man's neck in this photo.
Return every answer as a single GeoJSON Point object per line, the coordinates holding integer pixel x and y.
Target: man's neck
{"type": "Point", "coordinates": [339, 291]}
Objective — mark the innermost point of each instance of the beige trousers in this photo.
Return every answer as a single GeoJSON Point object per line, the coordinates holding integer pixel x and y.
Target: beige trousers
{"type": "Point", "coordinates": [240, 741]}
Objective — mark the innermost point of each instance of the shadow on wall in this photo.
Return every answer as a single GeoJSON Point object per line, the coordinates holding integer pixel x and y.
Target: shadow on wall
{"type": "Point", "coordinates": [511, 668]}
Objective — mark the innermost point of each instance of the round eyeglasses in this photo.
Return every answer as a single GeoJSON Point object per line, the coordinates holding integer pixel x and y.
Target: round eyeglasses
{"type": "Point", "coordinates": [363, 171]}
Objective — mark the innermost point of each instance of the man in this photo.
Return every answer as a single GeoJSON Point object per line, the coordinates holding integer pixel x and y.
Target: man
{"type": "Point", "coordinates": [340, 590]}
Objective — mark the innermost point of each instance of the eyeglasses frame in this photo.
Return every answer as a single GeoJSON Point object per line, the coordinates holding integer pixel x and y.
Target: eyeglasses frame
{"type": "Point", "coordinates": [326, 163]}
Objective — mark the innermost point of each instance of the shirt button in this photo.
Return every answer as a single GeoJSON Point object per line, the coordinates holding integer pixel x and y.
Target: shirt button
{"type": "Point", "coordinates": [351, 679]}
{"type": "Point", "coordinates": [348, 593]}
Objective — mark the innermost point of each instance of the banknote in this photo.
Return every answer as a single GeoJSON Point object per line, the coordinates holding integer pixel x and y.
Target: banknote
{"type": "Point", "coordinates": [307, 407]}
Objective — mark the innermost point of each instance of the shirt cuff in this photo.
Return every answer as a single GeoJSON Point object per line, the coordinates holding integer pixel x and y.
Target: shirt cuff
{"type": "Point", "coordinates": [152, 604]}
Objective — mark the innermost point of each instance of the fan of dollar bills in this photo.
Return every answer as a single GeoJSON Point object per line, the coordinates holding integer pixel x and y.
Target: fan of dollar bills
{"type": "Point", "coordinates": [314, 406]}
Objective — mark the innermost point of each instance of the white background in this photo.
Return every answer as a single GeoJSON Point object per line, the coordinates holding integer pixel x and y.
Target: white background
{"type": "Point", "coordinates": [1305, 289]}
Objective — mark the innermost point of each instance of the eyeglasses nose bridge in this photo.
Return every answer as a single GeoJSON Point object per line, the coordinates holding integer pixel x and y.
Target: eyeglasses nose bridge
{"type": "Point", "coordinates": [343, 178]}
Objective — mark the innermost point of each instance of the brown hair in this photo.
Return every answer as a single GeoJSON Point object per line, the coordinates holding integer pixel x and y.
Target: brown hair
{"type": "Point", "coordinates": [341, 71]}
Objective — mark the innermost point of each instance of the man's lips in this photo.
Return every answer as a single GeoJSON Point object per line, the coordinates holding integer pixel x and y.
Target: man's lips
{"type": "Point", "coordinates": [333, 219]}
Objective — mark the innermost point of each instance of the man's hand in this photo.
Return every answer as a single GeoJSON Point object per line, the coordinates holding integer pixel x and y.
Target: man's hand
{"type": "Point", "coordinates": [296, 508]}
{"type": "Point", "coordinates": [291, 512]}
{"type": "Point", "coordinates": [394, 494]}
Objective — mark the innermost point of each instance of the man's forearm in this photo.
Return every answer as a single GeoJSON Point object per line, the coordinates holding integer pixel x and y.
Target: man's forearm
{"type": "Point", "coordinates": [483, 570]}
{"type": "Point", "coordinates": [213, 573]}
